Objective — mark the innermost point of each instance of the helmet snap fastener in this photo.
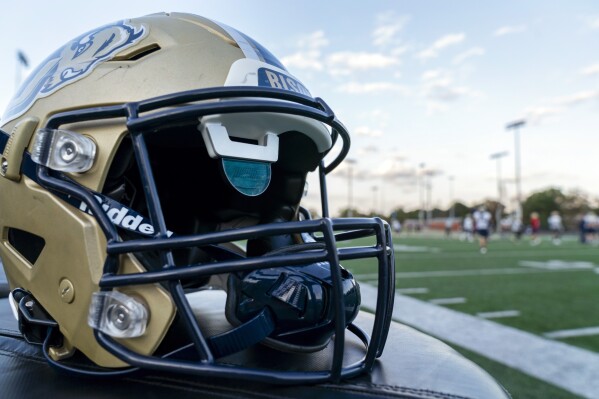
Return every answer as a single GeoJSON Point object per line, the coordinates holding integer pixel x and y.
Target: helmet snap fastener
{"type": "Point", "coordinates": [66, 291]}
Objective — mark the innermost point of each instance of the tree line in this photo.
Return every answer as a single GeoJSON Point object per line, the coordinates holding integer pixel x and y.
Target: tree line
{"type": "Point", "coordinates": [571, 205]}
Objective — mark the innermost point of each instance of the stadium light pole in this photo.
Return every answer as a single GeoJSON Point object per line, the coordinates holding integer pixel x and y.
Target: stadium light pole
{"type": "Point", "coordinates": [451, 201]}
{"type": "Point", "coordinates": [429, 196]}
{"type": "Point", "coordinates": [22, 62]}
{"type": "Point", "coordinates": [374, 199]}
{"type": "Point", "coordinates": [421, 194]}
{"type": "Point", "coordinates": [350, 186]}
{"type": "Point", "coordinates": [515, 126]}
{"type": "Point", "coordinates": [497, 157]}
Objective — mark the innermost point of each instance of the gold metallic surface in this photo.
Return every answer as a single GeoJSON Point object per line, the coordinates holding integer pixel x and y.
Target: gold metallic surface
{"type": "Point", "coordinates": [188, 52]}
{"type": "Point", "coordinates": [17, 143]}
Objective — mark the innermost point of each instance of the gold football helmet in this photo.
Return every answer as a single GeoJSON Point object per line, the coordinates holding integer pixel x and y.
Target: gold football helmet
{"type": "Point", "coordinates": [151, 170]}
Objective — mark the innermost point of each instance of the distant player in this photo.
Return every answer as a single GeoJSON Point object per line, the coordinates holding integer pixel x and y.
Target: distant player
{"type": "Point", "coordinates": [517, 227]}
{"type": "Point", "coordinates": [468, 227]}
{"type": "Point", "coordinates": [590, 226]}
{"type": "Point", "coordinates": [556, 227]}
{"type": "Point", "coordinates": [535, 227]}
{"type": "Point", "coordinates": [396, 226]}
{"type": "Point", "coordinates": [448, 226]}
{"type": "Point", "coordinates": [395, 223]}
{"type": "Point", "coordinates": [482, 222]}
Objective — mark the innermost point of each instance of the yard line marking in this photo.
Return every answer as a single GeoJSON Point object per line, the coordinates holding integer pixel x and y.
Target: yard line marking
{"type": "Point", "coordinates": [474, 253]}
{"type": "Point", "coordinates": [412, 291]}
{"type": "Point", "coordinates": [414, 248]}
{"type": "Point", "coordinates": [577, 332]}
{"type": "Point", "coordinates": [447, 301]}
{"type": "Point", "coordinates": [467, 272]}
{"type": "Point", "coordinates": [566, 366]}
{"type": "Point", "coordinates": [499, 314]}
{"type": "Point", "coordinates": [555, 264]}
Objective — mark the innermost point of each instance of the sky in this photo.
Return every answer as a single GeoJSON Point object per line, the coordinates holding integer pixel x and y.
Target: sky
{"type": "Point", "coordinates": [426, 88]}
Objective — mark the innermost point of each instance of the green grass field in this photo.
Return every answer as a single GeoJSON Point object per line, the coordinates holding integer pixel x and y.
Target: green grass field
{"type": "Point", "coordinates": [551, 287]}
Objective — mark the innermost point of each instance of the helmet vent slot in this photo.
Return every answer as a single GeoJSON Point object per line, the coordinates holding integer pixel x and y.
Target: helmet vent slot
{"type": "Point", "coordinates": [27, 244]}
{"type": "Point", "coordinates": [138, 53]}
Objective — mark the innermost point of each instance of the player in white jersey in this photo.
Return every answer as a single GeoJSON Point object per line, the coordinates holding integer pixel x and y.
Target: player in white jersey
{"type": "Point", "coordinates": [482, 222]}
{"type": "Point", "coordinates": [555, 226]}
{"type": "Point", "coordinates": [468, 227]}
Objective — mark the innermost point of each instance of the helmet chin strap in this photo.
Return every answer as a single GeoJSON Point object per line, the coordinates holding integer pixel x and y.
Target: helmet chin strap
{"type": "Point", "coordinates": [242, 337]}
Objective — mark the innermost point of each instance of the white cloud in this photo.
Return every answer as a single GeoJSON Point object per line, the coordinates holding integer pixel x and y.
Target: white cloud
{"type": "Point", "coordinates": [388, 27]}
{"type": "Point", "coordinates": [554, 106]}
{"type": "Point", "coordinates": [449, 40]}
{"type": "Point", "coordinates": [309, 55]}
{"type": "Point", "coordinates": [343, 171]}
{"type": "Point", "coordinates": [590, 70]}
{"type": "Point", "coordinates": [314, 40]}
{"type": "Point", "coordinates": [438, 86]}
{"type": "Point", "coordinates": [373, 87]}
{"type": "Point", "coordinates": [303, 60]}
{"type": "Point", "coordinates": [391, 166]}
{"type": "Point", "coordinates": [594, 22]}
{"type": "Point", "coordinates": [375, 115]}
{"type": "Point", "coordinates": [431, 74]}
{"type": "Point", "coordinates": [444, 90]}
{"type": "Point", "coordinates": [346, 62]}
{"type": "Point", "coordinates": [367, 131]}
{"type": "Point", "coordinates": [369, 150]}
{"type": "Point", "coordinates": [535, 115]}
{"type": "Point", "coordinates": [391, 172]}
{"type": "Point", "coordinates": [577, 98]}
{"type": "Point", "coordinates": [441, 43]}
{"type": "Point", "coordinates": [473, 52]}
{"type": "Point", "coordinates": [509, 29]}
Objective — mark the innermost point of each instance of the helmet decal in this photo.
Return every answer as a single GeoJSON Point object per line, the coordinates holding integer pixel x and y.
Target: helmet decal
{"type": "Point", "coordinates": [251, 48]}
{"type": "Point", "coordinates": [270, 78]}
{"type": "Point", "coordinates": [72, 62]}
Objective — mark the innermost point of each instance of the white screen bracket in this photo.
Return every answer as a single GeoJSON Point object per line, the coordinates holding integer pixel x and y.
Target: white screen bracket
{"type": "Point", "coordinates": [219, 145]}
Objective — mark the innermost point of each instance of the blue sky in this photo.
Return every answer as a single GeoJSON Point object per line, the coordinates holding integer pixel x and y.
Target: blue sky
{"type": "Point", "coordinates": [416, 82]}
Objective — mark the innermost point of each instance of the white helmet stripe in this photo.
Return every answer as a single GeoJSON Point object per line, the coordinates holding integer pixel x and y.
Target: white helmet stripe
{"type": "Point", "coordinates": [248, 50]}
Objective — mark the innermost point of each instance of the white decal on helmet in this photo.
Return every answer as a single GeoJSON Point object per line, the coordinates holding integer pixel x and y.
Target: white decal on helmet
{"type": "Point", "coordinates": [251, 48]}
{"type": "Point", "coordinates": [73, 61]}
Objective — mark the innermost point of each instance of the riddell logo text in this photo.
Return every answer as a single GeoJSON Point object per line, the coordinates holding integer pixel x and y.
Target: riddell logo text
{"type": "Point", "coordinates": [123, 217]}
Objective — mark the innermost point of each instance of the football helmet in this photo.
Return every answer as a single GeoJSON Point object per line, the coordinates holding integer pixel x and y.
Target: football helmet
{"type": "Point", "coordinates": [153, 169]}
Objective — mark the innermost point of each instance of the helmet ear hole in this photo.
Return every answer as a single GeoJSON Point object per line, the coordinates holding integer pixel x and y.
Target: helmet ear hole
{"type": "Point", "coordinates": [118, 181]}
{"type": "Point", "coordinates": [27, 244]}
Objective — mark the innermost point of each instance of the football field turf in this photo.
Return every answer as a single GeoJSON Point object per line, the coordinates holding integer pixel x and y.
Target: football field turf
{"type": "Point", "coordinates": [550, 291]}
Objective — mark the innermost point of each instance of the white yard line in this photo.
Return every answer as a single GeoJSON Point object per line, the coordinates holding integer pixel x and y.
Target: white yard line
{"type": "Point", "coordinates": [447, 301]}
{"type": "Point", "coordinates": [571, 368]}
{"type": "Point", "coordinates": [556, 264]}
{"type": "Point", "coordinates": [469, 272]}
{"type": "Point", "coordinates": [412, 248]}
{"type": "Point", "coordinates": [577, 332]}
{"type": "Point", "coordinates": [498, 314]}
{"type": "Point", "coordinates": [412, 291]}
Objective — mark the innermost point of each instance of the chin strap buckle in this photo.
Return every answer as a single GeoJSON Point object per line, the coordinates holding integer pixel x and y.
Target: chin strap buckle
{"type": "Point", "coordinates": [33, 319]}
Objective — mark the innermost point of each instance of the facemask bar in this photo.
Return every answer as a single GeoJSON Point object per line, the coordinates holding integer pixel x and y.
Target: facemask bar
{"type": "Point", "coordinates": [240, 99]}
